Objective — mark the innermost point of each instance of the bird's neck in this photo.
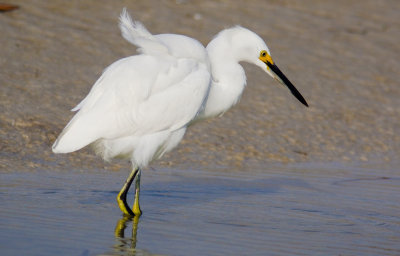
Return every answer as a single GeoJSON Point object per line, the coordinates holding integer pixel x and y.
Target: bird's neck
{"type": "Point", "coordinates": [228, 80]}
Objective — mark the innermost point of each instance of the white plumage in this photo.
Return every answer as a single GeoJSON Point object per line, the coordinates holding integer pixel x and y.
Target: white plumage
{"type": "Point", "coordinates": [141, 105]}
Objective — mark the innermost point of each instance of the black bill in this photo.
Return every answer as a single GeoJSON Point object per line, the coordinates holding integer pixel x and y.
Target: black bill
{"type": "Point", "coordinates": [286, 82]}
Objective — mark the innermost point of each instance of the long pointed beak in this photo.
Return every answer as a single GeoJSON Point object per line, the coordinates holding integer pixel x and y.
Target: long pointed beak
{"type": "Point", "coordinates": [283, 79]}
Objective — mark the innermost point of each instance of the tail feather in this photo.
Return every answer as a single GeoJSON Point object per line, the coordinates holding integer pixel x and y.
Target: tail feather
{"type": "Point", "coordinates": [77, 134]}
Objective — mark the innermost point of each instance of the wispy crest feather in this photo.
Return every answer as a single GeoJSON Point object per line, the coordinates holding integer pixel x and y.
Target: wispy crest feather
{"type": "Point", "coordinates": [137, 34]}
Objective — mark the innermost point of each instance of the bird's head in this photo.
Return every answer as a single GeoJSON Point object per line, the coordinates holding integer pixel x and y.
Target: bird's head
{"type": "Point", "coordinates": [267, 64]}
{"type": "Point", "coordinates": [251, 48]}
{"type": "Point", "coordinates": [241, 44]}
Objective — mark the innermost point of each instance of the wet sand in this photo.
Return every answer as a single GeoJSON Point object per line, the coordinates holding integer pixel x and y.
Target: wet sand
{"type": "Point", "coordinates": [343, 56]}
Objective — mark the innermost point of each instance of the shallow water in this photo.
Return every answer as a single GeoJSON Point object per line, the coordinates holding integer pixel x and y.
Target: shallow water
{"type": "Point", "coordinates": [282, 211]}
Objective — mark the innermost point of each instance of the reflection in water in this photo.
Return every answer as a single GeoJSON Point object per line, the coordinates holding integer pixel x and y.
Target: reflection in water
{"type": "Point", "coordinates": [123, 244]}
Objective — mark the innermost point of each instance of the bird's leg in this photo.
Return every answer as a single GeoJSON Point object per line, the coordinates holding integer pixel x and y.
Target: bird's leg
{"type": "Point", "coordinates": [136, 206]}
{"type": "Point", "coordinates": [121, 198]}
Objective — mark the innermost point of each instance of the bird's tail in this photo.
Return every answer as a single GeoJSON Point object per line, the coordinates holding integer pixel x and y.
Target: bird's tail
{"type": "Point", "coordinates": [78, 133]}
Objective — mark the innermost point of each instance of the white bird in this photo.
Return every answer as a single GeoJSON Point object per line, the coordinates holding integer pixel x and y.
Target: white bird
{"type": "Point", "coordinates": [141, 105]}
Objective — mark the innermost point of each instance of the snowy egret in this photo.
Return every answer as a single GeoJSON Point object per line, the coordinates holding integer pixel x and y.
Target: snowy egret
{"type": "Point", "coordinates": [141, 105]}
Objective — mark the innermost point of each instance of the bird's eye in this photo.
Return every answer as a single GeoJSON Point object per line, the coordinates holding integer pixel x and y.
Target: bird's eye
{"type": "Point", "coordinates": [263, 53]}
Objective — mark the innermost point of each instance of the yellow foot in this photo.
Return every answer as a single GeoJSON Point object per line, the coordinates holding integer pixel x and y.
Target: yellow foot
{"type": "Point", "coordinates": [121, 198]}
{"type": "Point", "coordinates": [136, 207]}
{"type": "Point", "coordinates": [123, 205]}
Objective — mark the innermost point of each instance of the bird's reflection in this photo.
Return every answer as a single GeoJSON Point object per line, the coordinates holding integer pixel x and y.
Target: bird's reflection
{"type": "Point", "coordinates": [126, 244]}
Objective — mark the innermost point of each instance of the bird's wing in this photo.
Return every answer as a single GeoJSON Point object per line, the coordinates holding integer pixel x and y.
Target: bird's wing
{"type": "Point", "coordinates": [137, 95]}
{"type": "Point", "coordinates": [137, 34]}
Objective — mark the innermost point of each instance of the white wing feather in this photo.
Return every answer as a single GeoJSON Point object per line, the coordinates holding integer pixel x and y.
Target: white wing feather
{"type": "Point", "coordinates": [161, 90]}
{"type": "Point", "coordinates": [137, 95]}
